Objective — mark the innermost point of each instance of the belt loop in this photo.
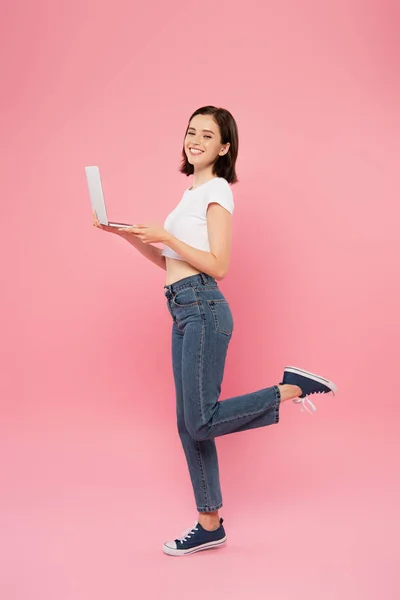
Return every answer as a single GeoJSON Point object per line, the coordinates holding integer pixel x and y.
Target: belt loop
{"type": "Point", "coordinates": [204, 278]}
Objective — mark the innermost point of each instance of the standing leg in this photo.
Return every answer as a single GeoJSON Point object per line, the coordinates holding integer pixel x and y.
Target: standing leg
{"type": "Point", "coordinates": [201, 456]}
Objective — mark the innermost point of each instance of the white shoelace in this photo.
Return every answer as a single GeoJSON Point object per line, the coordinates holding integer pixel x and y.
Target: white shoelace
{"type": "Point", "coordinates": [304, 401]}
{"type": "Point", "coordinates": [189, 532]}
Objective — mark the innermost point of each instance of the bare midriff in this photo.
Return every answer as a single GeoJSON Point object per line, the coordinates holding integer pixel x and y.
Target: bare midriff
{"type": "Point", "coordinates": [178, 269]}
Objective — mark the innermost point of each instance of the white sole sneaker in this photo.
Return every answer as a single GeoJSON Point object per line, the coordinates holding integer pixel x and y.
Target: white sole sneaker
{"type": "Point", "coordinates": [174, 552]}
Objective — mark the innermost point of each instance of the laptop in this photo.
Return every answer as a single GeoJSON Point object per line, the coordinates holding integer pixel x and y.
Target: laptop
{"type": "Point", "coordinates": [97, 197]}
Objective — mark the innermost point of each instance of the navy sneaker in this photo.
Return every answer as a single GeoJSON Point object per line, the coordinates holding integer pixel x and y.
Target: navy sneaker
{"type": "Point", "coordinates": [309, 384]}
{"type": "Point", "coordinates": [195, 539]}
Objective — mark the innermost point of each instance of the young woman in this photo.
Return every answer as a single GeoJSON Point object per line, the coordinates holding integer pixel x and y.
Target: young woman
{"type": "Point", "coordinates": [197, 240]}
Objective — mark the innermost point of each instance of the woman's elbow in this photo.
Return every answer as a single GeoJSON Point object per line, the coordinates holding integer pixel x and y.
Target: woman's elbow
{"type": "Point", "coordinates": [221, 274]}
{"type": "Point", "coordinates": [220, 269]}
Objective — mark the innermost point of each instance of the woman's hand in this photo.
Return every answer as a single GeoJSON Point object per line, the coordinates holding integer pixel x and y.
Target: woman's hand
{"type": "Point", "coordinates": [97, 224]}
{"type": "Point", "coordinates": [150, 233]}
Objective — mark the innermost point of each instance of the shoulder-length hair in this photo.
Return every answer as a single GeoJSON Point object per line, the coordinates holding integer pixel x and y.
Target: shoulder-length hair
{"type": "Point", "coordinates": [224, 166]}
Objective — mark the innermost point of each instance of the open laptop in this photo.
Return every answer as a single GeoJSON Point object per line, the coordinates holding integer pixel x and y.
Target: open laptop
{"type": "Point", "coordinates": [97, 197]}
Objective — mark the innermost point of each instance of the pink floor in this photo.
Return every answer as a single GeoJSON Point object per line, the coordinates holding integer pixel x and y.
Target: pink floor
{"type": "Point", "coordinates": [86, 506]}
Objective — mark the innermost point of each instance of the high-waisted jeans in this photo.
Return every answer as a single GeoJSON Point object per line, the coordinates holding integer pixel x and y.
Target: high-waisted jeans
{"type": "Point", "coordinates": [201, 332]}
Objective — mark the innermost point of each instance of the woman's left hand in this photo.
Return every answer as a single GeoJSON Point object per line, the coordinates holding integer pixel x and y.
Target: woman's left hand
{"type": "Point", "coordinates": [149, 233]}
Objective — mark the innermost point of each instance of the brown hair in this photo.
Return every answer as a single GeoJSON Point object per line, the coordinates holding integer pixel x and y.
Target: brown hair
{"type": "Point", "coordinates": [224, 166]}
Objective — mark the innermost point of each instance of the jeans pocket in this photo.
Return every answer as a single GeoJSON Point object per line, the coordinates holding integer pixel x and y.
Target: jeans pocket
{"type": "Point", "coordinates": [223, 319]}
{"type": "Point", "coordinates": [185, 298]}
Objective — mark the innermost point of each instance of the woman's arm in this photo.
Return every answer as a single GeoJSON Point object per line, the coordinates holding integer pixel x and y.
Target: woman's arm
{"type": "Point", "coordinates": [216, 262]}
{"type": "Point", "coordinates": [151, 252]}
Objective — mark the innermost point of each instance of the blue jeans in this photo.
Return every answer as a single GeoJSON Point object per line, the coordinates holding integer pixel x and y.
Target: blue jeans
{"type": "Point", "coordinates": [201, 331]}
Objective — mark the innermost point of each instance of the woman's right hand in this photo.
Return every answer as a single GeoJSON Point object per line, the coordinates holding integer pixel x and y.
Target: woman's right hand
{"type": "Point", "coordinates": [97, 224]}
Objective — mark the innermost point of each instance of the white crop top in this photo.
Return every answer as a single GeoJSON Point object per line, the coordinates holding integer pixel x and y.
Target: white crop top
{"type": "Point", "coordinates": [188, 221]}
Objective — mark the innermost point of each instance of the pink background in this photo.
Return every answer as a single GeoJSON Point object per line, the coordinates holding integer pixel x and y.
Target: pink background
{"type": "Point", "coordinates": [93, 476]}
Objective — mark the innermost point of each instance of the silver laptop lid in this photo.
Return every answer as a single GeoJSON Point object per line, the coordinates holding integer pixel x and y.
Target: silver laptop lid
{"type": "Point", "coordinates": [96, 193]}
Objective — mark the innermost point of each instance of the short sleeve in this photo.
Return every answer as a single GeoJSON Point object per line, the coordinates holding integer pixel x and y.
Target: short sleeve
{"type": "Point", "coordinates": [221, 193]}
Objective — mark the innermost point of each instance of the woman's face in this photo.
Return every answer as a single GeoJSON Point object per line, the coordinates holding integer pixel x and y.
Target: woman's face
{"type": "Point", "coordinates": [203, 141]}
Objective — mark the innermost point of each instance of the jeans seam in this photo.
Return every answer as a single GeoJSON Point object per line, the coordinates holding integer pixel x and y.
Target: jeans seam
{"type": "Point", "coordinates": [277, 404]}
{"type": "Point", "coordinates": [200, 372]}
{"type": "Point", "coordinates": [201, 399]}
{"type": "Point", "coordinates": [202, 471]}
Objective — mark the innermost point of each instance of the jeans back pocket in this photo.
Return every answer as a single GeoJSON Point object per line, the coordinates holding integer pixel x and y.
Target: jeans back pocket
{"type": "Point", "coordinates": [223, 319]}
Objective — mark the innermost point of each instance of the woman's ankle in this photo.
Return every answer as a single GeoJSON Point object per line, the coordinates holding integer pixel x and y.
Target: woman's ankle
{"type": "Point", "coordinates": [209, 520]}
{"type": "Point", "coordinates": [288, 392]}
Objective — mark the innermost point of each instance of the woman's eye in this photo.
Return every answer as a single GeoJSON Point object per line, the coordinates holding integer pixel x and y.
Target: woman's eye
{"type": "Point", "coordinates": [191, 133]}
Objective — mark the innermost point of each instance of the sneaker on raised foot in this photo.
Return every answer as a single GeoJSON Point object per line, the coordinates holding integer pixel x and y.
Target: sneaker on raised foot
{"type": "Point", "coordinates": [310, 383]}
{"type": "Point", "coordinates": [195, 539]}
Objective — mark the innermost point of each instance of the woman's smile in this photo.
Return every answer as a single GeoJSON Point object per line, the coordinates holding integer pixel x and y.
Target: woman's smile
{"type": "Point", "coordinates": [195, 152]}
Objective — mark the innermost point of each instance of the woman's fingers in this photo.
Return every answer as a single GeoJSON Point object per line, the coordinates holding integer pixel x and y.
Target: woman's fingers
{"type": "Point", "coordinates": [95, 220]}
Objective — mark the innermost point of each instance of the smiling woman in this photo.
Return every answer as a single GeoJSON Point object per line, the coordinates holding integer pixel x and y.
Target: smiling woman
{"type": "Point", "coordinates": [197, 242]}
{"type": "Point", "coordinates": [197, 233]}
{"type": "Point", "coordinates": [202, 219]}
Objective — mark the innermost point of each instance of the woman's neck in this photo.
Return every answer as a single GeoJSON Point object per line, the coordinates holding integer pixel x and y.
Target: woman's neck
{"type": "Point", "coordinates": [200, 178]}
